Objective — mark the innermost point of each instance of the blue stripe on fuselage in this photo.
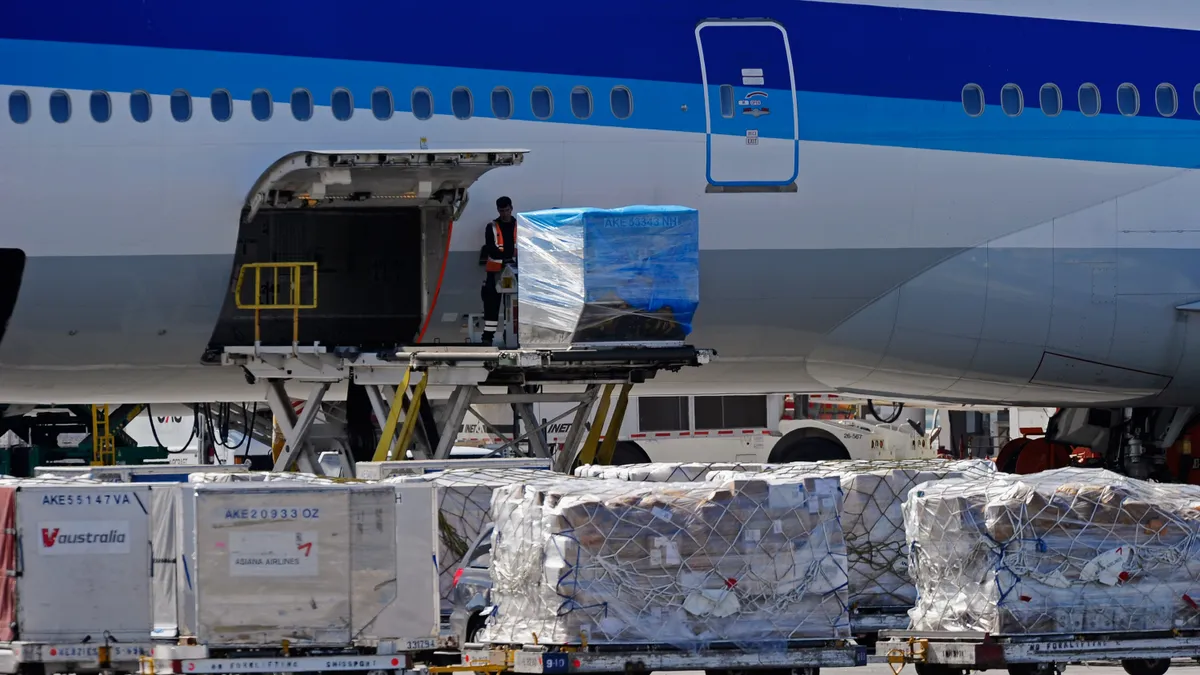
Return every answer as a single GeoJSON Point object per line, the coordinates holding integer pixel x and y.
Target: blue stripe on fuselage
{"type": "Point", "coordinates": [837, 118]}
{"type": "Point", "coordinates": [838, 48]}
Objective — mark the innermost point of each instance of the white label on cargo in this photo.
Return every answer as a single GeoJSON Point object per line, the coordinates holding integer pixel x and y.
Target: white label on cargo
{"type": "Point", "coordinates": [66, 537]}
{"type": "Point", "coordinates": [671, 553]}
{"type": "Point", "coordinates": [777, 526]}
{"type": "Point", "coordinates": [661, 513]}
{"type": "Point", "coordinates": [785, 496]}
{"type": "Point", "coordinates": [253, 554]}
{"type": "Point", "coordinates": [655, 556]}
{"type": "Point", "coordinates": [753, 536]}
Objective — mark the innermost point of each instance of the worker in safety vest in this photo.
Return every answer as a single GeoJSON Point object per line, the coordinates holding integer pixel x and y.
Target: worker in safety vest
{"type": "Point", "coordinates": [499, 248]}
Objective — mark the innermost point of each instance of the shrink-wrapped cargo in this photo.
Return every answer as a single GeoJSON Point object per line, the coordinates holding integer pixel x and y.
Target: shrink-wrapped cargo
{"type": "Point", "coordinates": [1065, 551]}
{"type": "Point", "coordinates": [873, 491]}
{"type": "Point", "coordinates": [665, 472]}
{"type": "Point", "coordinates": [464, 505]}
{"type": "Point", "coordinates": [753, 562]}
{"type": "Point", "coordinates": [258, 562]}
{"type": "Point", "coordinates": [618, 276]}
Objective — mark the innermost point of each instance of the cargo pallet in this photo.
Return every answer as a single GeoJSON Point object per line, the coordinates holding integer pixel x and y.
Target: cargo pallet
{"type": "Point", "coordinates": [956, 652]}
{"type": "Point", "coordinates": [389, 376]}
{"type": "Point", "coordinates": [641, 659]}
{"type": "Point", "coordinates": [83, 657]}
{"type": "Point", "coordinates": [385, 655]}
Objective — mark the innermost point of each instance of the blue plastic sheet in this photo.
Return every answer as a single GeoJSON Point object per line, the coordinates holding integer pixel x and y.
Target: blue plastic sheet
{"type": "Point", "coordinates": [627, 276]}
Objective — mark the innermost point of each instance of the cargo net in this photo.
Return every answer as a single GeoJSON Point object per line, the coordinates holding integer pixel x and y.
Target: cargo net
{"type": "Point", "coordinates": [1064, 551]}
{"type": "Point", "coordinates": [753, 563]}
{"type": "Point", "coordinates": [872, 521]}
{"type": "Point", "coordinates": [464, 503]}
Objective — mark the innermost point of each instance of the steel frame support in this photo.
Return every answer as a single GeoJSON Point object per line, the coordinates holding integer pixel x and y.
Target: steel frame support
{"type": "Point", "coordinates": [296, 448]}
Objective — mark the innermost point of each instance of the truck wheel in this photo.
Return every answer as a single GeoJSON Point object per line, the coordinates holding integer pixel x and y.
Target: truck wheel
{"type": "Point", "coordinates": [629, 452]}
{"type": "Point", "coordinates": [1146, 666]}
{"type": "Point", "coordinates": [797, 448]}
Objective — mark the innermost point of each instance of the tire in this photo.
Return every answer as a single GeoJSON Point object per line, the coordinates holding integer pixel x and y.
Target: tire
{"type": "Point", "coordinates": [797, 448]}
{"type": "Point", "coordinates": [629, 452]}
{"type": "Point", "coordinates": [1146, 666]}
{"type": "Point", "coordinates": [937, 669]}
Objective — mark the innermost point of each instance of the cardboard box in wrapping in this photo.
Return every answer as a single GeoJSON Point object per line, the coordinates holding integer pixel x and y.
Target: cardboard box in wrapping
{"type": "Point", "coordinates": [1062, 551]}
{"type": "Point", "coordinates": [464, 502]}
{"type": "Point", "coordinates": [750, 561]}
{"type": "Point", "coordinates": [872, 522]}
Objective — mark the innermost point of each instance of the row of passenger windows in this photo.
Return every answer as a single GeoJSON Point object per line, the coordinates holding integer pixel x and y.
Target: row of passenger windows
{"type": "Point", "coordinates": [462, 104]}
{"type": "Point", "coordinates": [1050, 99]}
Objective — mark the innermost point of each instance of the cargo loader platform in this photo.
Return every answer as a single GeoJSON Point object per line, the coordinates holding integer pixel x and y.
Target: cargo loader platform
{"type": "Point", "coordinates": [396, 382]}
{"type": "Point", "coordinates": [806, 655]}
{"type": "Point", "coordinates": [956, 653]}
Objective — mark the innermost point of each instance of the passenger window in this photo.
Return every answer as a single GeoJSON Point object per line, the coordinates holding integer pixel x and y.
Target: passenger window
{"type": "Point", "coordinates": [1128, 100]}
{"type": "Point", "coordinates": [1196, 99]}
{"type": "Point", "coordinates": [60, 106]}
{"type": "Point", "coordinates": [542, 102]}
{"type": "Point", "coordinates": [1051, 97]}
{"type": "Point", "coordinates": [18, 107]}
{"type": "Point", "coordinates": [422, 104]}
{"type": "Point", "coordinates": [461, 103]}
{"type": "Point", "coordinates": [302, 105]}
{"type": "Point", "coordinates": [1166, 99]}
{"type": "Point", "coordinates": [181, 105]}
{"type": "Point", "coordinates": [261, 105]}
{"type": "Point", "coordinates": [502, 103]}
{"type": "Point", "coordinates": [382, 105]}
{"type": "Point", "coordinates": [663, 413]}
{"type": "Point", "coordinates": [1012, 100]}
{"type": "Point", "coordinates": [101, 106]}
{"type": "Point", "coordinates": [140, 106]}
{"type": "Point", "coordinates": [1089, 100]}
{"type": "Point", "coordinates": [620, 99]}
{"type": "Point", "coordinates": [342, 103]}
{"type": "Point", "coordinates": [222, 105]}
{"type": "Point", "coordinates": [727, 101]}
{"type": "Point", "coordinates": [973, 100]}
{"type": "Point", "coordinates": [581, 102]}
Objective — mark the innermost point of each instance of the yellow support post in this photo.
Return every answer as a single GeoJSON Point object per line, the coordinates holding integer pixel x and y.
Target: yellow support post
{"type": "Point", "coordinates": [410, 420]}
{"type": "Point", "coordinates": [388, 433]}
{"type": "Point", "coordinates": [587, 454]}
{"type": "Point", "coordinates": [605, 456]}
{"type": "Point", "coordinates": [104, 446]}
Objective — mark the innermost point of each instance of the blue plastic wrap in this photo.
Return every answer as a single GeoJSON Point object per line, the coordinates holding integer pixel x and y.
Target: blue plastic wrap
{"type": "Point", "coordinates": [628, 276]}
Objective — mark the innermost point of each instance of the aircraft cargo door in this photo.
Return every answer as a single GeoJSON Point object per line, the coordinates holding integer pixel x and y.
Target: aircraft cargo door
{"type": "Point", "coordinates": [752, 124]}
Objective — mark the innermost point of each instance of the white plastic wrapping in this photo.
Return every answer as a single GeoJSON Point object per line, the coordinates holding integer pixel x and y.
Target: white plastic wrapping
{"type": "Point", "coordinates": [1067, 551]}
{"type": "Point", "coordinates": [754, 562]}
{"type": "Point", "coordinates": [464, 505]}
{"type": "Point", "coordinates": [871, 519]}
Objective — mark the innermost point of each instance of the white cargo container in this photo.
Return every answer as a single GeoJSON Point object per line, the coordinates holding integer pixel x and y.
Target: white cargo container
{"type": "Point", "coordinates": [316, 564]}
{"type": "Point", "coordinates": [81, 577]}
{"type": "Point", "coordinates": [138, 473]}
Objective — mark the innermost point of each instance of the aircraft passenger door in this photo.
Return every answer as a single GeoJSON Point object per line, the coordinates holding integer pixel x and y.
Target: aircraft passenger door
{"type": "Point", "coordinates": [752, 124]}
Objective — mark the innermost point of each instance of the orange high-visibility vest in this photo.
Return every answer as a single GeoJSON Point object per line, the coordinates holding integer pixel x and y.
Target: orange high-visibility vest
{"type": "Point", "coordinates": [494, 265]}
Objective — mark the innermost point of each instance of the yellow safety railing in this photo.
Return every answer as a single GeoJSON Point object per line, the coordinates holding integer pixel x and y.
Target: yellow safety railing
{"type": "Point", "coordinates": [292, 299]}
{"type": "Point", "coordinates": [104, 446]}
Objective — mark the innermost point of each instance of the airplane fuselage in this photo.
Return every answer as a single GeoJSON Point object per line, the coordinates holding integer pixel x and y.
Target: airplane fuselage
{"type": "Point", "coordinates": [862, 227]}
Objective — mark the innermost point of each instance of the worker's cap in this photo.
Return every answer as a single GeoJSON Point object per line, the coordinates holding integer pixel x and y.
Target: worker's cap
{"type": "Point", "coordinates": [504, 203]}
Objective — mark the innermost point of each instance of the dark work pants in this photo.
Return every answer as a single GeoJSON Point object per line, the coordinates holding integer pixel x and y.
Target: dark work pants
{"type": "Point", "coordinates": [491, 303]}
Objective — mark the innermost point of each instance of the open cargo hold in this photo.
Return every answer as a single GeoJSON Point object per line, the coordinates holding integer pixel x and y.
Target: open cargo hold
{"type": "Point", "coordinates": [76, 558]}
{"type": "Point", "coordinates": [464, 510]}
{"type": "Point", "coordinates": [757, 563]}
{"type": "Point", "coordinates": [627, 276]}
{"type": "Point", "coordinates": [315, 564]}
{"type": "Point", "coordinates": [872, 521]}
{"type": "Point", "coordinates": [1068, 551]}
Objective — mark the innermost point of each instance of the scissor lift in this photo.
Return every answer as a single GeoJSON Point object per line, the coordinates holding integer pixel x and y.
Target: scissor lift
{"type": "Point", "coordinates": [396, 382]}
